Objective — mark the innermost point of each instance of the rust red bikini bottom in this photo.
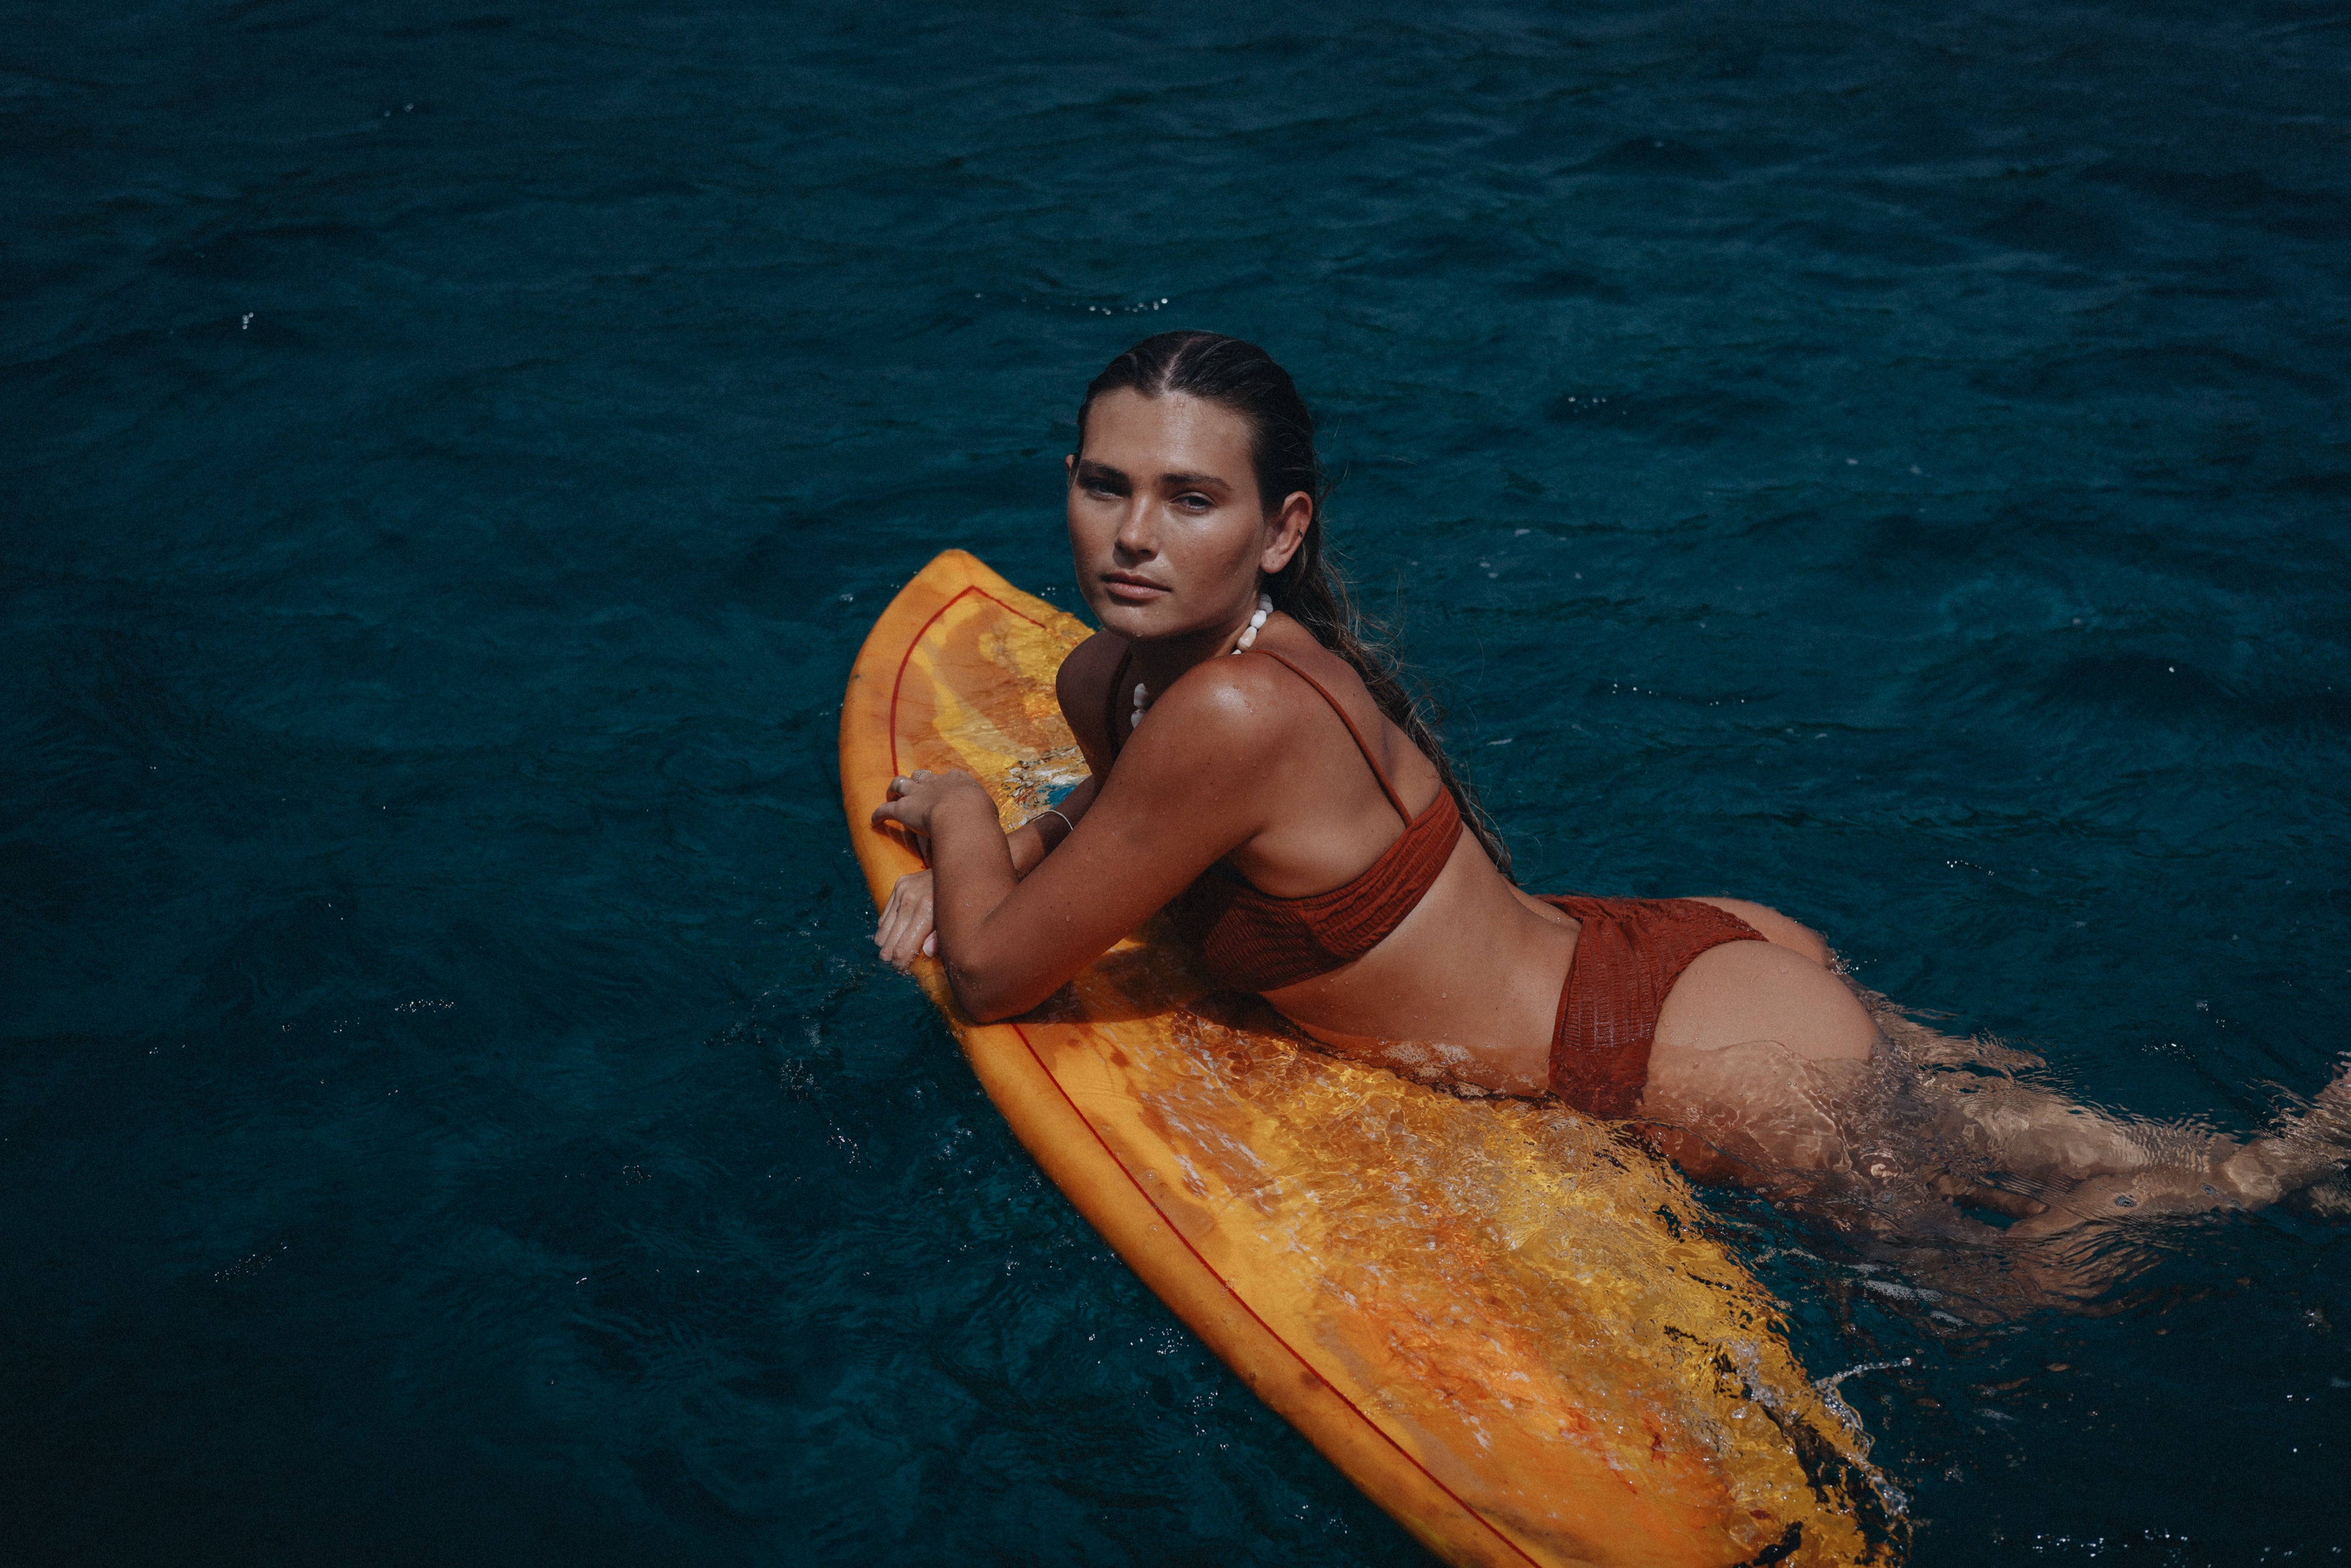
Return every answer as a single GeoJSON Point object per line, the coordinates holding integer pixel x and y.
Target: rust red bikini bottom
{"type": "Point", "coordinates": [1628, 956]}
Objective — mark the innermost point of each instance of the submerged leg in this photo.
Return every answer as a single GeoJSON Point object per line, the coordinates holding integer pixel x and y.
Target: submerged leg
{"type": "Point", "coordinates": [1769, 1068]}
{"type": "Point", "coordinates": [2233, 1174]}
{"type": "Point", "coordinates": [2079, 1164]}
{"type": "Point", "coordinates": [2043, 1137]}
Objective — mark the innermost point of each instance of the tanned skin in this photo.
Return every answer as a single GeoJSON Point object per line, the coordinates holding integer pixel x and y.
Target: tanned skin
{"type": "Point", "coordinates": [1238, 761]}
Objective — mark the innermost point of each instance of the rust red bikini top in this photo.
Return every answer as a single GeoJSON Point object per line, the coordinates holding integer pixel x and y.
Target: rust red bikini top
{"type": "Point", "coordinates": [1253, 941]}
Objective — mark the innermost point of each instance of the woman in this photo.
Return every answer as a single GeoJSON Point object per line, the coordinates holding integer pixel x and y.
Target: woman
{"type": "Point", "coordinates": [1258, 767]}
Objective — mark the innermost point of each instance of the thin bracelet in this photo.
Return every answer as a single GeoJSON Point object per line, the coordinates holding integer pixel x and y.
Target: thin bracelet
{"type": "Point", "coordinates": [1055, 811]}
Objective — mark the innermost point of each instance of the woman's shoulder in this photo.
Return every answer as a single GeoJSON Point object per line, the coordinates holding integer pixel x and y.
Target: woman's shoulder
{"type": "Point", "coordinates": [1087, 671]}
{"type": "Point", "coordinates": [1249, 695]}
{"type": "Point", "coordinates": [1243, 701]}
{"type": "Point", "coordinates": [1273, 702]}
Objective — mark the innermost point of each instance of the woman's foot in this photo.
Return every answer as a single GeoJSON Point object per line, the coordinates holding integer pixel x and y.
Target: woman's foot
{"type": "Point", "coordinates": [2312, 1147]}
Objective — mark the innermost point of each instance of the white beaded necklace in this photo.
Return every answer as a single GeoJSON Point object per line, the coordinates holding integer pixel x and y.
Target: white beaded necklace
{"type": "Point", "coordinates": [1143, 693]}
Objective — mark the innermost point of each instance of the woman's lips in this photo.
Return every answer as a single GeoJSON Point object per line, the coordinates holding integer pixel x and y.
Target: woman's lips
{"type": "Point", "coordinates": [1133, 589]}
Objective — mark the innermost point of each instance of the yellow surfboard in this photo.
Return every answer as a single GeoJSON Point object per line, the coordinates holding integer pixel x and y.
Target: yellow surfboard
{"type": "Point", "coordinates": [1502, 1320]}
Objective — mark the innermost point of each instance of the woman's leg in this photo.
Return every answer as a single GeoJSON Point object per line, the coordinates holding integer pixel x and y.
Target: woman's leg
{"type": "Point", "coordinates": [2185, 1172]}
{"type": "Point", "coordinates": [1763, 1052]}
{"type": "Point", "coordinates": [2052, 1163]}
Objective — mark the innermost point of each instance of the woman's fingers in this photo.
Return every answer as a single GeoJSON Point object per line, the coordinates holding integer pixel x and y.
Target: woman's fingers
{"type": "Point", "coordinates": [897, 943]}
{"type": "Point", "coordinates": [885, 930]}
{"type": "Point", "coordinates": [911, 797]}
{"type": "Point", "coordinates": [896, 939]}
{"type": "Point", "coordinates": [904, 929]}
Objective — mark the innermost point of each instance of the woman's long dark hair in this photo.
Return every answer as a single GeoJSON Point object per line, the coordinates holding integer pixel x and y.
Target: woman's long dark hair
{"type": "Point", "coordinates": [1311, 589]}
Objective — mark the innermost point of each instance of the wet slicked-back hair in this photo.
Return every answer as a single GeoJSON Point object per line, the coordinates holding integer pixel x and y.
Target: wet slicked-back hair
{"type": "Point", "coordinates": [1311, 589]}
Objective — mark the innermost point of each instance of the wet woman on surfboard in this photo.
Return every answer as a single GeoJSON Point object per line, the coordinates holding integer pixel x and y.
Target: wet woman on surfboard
{"type": "Point", "coordinates": [1260, 771]}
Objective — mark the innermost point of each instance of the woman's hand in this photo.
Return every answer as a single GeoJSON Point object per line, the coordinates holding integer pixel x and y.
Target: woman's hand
{"type": "Point", "coordinates": [907, 928]}
{"type": "Point", "coordinates": [915, 796]}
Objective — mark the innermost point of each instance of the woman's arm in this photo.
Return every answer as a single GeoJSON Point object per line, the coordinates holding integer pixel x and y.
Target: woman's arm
{"type": "Point", "coordinates": [1191, 785]}
{"type": "Point", "coordinates": [909, 926]}
{"type": "Point", "coordinates": [907, 929]}
{"type": "Point", "coordinates": [1038, 837]}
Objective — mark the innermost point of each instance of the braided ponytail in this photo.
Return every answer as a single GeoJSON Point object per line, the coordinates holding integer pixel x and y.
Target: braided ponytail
{"type": "Point", "coordinates": [1310, 589]}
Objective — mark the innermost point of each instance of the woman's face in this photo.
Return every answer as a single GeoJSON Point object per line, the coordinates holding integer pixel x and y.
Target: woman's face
{"type": "Point", "coordinates": [1165, 526]}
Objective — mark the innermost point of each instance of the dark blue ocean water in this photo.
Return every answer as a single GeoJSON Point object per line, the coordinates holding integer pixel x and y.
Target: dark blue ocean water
{"type": "Point", "coordinates": [1890, 463]}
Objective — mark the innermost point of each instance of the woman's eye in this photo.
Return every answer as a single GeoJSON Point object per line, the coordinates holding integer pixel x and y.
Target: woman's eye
{"type": "Point", "coordinates": [1195, 503]}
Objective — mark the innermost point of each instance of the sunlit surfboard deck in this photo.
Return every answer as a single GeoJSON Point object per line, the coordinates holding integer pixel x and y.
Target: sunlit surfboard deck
{"type": "Point", "coordinates": [1502, 1320]}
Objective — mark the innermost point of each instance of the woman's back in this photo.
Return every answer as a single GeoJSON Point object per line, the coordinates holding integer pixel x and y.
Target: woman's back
{"type": "Point", "coordinates": [1467, 962]}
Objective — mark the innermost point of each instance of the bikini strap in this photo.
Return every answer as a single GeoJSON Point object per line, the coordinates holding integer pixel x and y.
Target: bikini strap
{"type": "Point", "coordinates": [1378, 772]}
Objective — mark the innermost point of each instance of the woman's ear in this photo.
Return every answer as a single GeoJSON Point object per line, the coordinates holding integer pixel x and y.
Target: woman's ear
{"type": "Point", "coordinates": [1287, 533]}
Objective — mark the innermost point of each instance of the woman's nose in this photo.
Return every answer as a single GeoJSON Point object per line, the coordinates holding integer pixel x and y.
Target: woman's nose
{"type": "Point", "coordinates": [1135, 534]}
